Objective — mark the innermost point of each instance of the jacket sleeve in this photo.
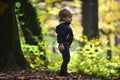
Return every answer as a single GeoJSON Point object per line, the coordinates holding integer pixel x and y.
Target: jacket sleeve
{"type": "Point", "coordinates": [60, 34]}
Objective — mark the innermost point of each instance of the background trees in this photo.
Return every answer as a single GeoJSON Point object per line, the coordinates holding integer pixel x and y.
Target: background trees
{"type": "Point", "coordinates": [90, 18]}
{"type": "Point", "coordinates": [31, 27]}
{"type": "Point", "coordinates": [89, 59]}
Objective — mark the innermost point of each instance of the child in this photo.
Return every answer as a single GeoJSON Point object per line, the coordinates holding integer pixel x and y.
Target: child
{"type": "Point", "coordinates": [64, 38]}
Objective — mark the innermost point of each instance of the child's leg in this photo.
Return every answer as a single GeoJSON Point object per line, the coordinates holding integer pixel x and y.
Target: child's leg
{"type": "Point", "coordinates": [66, 59]}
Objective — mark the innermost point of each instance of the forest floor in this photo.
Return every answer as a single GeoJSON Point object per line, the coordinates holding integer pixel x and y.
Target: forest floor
{"type": "Point", "coordinates": [38, 75]}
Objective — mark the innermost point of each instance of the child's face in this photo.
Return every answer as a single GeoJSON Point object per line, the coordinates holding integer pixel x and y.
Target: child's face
{"type": "Point", "coordinates": [68, 19]}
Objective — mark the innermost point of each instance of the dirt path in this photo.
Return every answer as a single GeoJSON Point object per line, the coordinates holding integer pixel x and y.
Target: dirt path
{"type": "Point", "coordinates": [37, 75]}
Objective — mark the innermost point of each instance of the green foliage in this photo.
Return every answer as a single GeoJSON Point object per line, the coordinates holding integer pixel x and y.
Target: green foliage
{"type": "Point", "coordinates": [43, 15]}
{"type": "Point", "coordinates": [106, 22]}
{"type": "Point", "coordinates": [55, 61]}
{"type": "Point", "coordinates": [18, 13]}
{"type": "Point", "coordinates": [34, 56]}
{"type": "Point", "coordinates": [18, 4]}
{"type": "Point", "coordinates": [92, 59]}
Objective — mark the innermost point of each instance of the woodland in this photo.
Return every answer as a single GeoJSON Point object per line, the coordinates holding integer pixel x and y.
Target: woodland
{"type": "Point", "coordinates": [29, 49]}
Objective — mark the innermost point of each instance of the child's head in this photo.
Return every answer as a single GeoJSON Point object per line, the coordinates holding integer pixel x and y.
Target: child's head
{"type": "Point", "coordinates": [65, 14]}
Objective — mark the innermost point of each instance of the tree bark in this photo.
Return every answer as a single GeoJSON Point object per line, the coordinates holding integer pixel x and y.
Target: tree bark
{"type": "Point", "coordinates": [90, 18]}
{"type": "Point", "coordinates": [117, 40]}
{"type": "Point", "coordinates": [32, 26]}
{"type": "Point", "coordinates": [11, 55]}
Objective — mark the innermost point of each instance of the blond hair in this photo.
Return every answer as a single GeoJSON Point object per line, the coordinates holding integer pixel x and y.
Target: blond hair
{"type": "Point", "coordinates": [65, 12]}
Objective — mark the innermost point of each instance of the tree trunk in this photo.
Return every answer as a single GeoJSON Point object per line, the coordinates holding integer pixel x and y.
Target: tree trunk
{"type": "Point", "coordinates": [117, 40]}
{"type": "Point", "coordinates": [90, 18]}
{"type": "Point", "coordinates": [10, 49]}
{"type": "Point", "coordinates": [32, 26]}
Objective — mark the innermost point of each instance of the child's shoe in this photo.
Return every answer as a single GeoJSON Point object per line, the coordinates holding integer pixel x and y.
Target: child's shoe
{"type": "Point", "coordinates": [64, 74]}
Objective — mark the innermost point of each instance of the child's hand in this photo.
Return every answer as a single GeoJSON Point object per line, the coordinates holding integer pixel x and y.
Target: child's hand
{"type": "Point", "coordinates": [61, 47]}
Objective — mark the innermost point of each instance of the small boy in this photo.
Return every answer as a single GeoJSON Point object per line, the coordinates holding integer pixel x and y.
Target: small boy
{"type": "Point", "coordinates": [64, 38]}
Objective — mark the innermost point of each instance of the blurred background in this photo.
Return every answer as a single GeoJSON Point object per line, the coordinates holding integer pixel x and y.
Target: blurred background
{"type": "Point", "coordinates": [96, 27]}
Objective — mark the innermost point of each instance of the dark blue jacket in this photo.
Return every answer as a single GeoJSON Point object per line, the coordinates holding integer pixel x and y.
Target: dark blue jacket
{"type": "Point", "coordinates": [64, 33]}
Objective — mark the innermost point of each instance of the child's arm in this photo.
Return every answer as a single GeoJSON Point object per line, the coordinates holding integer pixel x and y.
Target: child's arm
{"type": "Point", "coordinates": [60, 37]}
{"type": "Point", "coordinates": [60, 34]}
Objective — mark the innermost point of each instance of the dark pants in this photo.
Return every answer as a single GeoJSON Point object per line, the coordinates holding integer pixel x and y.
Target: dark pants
{"type": "Point", "coordinates": [66, 58]}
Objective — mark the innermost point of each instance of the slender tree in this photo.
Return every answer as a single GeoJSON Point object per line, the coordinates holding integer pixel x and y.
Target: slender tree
{"type": "Point", "coordinates": [32, 26]}
{"type": "Point", "coordinates": [10, 49]}
{"type": "Point", "coordinates": [90, 18]}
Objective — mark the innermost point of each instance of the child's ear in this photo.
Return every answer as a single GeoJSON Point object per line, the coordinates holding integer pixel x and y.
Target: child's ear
{"type": "Point", "coordinates": [63, 18]}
